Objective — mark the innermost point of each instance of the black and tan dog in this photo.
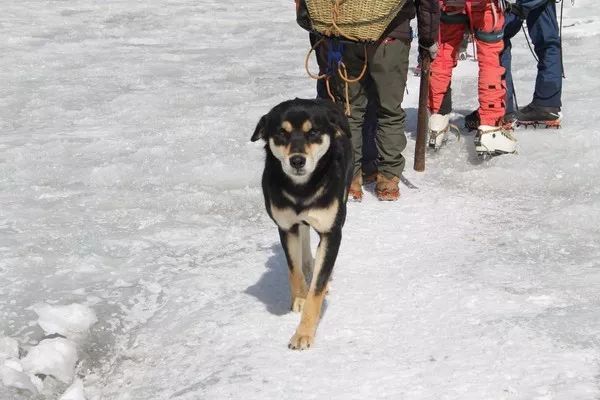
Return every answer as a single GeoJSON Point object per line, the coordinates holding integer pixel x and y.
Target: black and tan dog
{"type": "Point", "coordinates": [307, 173]}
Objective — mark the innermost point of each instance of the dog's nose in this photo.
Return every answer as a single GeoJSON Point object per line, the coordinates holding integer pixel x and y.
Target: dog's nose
{"type": "Point", "coordinates": [297, 161]}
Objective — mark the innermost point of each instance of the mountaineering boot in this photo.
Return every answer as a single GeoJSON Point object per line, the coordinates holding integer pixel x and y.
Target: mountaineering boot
{"type": "Point", "coordinates": [534, 115]}
{"type": "Point", "coordinates": [472, 121]}
{"type": "Point", "coordinates": [369, 178]}
{"type": "Point", "coordinates": [438, 129]}
{"type": "Point", "coordinates": [494, 140]}
{"type": "Point", "coordinates": [355, 192]}
{"type": "Point", "coordinates": [387, 189]}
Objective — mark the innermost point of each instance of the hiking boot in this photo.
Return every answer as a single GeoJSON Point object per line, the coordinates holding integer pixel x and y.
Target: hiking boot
{"type": "Point", "coordinates": [472, 121]}
{"type": "Point", "coordinates": [539, 115]}
{"type": "Point", "coordinates": [369, 178]}
{"type": "Point", "coordinates": [387, 189]}
{"type": "Point", "coordinates": [494, 140]}
{"type": "Point", "coordinates": [355, 192]}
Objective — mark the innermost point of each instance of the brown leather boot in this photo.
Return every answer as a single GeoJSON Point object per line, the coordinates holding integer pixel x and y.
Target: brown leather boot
{"type": "Point", "coordinates": [355, 192]}
{"type": "Point", "coordinates": [371, 178]}
{"type": "Point", "coordinates": [387, 189]}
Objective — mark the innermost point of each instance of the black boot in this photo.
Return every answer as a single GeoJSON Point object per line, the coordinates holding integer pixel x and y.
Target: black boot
{"type": "Point", "coordinates": [472, 121]}
{"type": "Point", "coordinates": [538, 114]}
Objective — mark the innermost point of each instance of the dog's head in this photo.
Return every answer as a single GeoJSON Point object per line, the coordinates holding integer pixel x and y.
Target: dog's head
{"type": "Point", "coordinates": [299, 133]}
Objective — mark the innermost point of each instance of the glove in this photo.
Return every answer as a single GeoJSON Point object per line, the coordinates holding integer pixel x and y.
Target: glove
{"type": "Point", "coordinates": [428, 47]}
{"type": "Point", "coordinates": [517, 9]}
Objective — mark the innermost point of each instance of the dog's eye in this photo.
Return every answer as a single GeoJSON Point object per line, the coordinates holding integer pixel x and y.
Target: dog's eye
{"type": "Point", "coordinates": [313, 134]}
{"type": "Point", "coordinates": [281, 133]}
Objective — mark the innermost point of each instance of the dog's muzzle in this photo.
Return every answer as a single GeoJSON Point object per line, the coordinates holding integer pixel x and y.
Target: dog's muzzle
{"type": "Point", "coordinates": [298, 162]}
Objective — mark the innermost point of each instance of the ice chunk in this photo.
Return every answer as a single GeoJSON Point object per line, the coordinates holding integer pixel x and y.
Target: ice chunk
{"type": "Point", "coordinates": [56, 357]}
{"type": "Point", "coordinates": [12, 375]}
{"type": "Point", "coordinates": [67, 320]}
{"type": "Point", "coordinates": [74, 392]}
{"type": "Point", "coordinates": [9, 348]}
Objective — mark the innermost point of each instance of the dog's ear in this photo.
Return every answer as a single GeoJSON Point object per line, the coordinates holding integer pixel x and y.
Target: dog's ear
{"type": "Point", "coordinates": [259, 132]}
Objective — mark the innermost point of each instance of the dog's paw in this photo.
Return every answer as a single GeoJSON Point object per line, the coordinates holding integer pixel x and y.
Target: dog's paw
{"type": "Point", "coordinates": [298, 304]}
{"type": "Point", "coordinates": [301, 341]}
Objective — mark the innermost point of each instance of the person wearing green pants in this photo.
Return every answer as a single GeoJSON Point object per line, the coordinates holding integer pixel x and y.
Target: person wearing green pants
{"type": "Point", "coordinates": [386, 70]}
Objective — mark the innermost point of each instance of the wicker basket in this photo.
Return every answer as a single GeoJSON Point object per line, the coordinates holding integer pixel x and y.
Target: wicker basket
{"type": "Point", "coordinates": [361, 20]}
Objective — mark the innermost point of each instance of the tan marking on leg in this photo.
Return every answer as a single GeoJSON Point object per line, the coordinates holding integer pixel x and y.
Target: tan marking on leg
{"type": "Point", "coordinates": [298, 304]}
{"type": "Point", "coordinates": [305, 333]}
{"type": "Point", "coordinates": [297, 281]}
{"type": "Point", "coordinates": [306, 126]}
{"type": "Point", "coordinates": [311, 313]}
{"type": "Point", "coordinates": [287, 126]}
{"type": "Point", "coordinates": [298, 289]}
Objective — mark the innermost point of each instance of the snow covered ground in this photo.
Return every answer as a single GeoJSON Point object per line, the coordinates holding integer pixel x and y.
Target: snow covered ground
{"type": "Point", "coordinates": [130, 189]}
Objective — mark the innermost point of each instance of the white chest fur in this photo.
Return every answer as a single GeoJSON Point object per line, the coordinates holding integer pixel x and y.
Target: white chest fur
{"type": "Point", "coordinates": [321, 219]}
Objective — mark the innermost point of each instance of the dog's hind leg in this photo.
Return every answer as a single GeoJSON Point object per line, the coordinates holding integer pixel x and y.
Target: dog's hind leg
{"type": "Point", "coordinates": [292, 246]}
{"type": "Point", "coordinates": [308, 261]}
{"type": "Point", "coordinates": [324, 261]}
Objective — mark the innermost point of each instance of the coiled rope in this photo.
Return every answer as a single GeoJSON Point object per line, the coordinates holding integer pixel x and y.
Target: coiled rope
{"type": "Point", "coordinates": [334, 56]}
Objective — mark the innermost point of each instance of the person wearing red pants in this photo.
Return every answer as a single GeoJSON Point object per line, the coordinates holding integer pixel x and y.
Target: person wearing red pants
{"type": "Point", "coordinates": [485, 18]}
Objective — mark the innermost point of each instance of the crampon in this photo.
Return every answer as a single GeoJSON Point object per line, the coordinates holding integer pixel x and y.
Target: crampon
{"type": "Point", "coordinates": [555, 124]}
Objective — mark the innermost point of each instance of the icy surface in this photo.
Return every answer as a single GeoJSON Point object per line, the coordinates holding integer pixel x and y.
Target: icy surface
{"type": "Point", "coordinates": [129, 186]}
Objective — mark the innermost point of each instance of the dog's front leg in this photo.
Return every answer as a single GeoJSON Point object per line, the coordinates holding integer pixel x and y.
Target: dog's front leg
{"type": "Point", "coordinates": [291, 241]}
{"type": "Point", "coordinates": [307, 257]}
{"type": "Point", "coordinates": [324, 261]}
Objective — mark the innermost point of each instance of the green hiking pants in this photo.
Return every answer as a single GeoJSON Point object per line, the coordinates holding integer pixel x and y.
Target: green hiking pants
{"type": "Point", "coordinates": [387, 69]}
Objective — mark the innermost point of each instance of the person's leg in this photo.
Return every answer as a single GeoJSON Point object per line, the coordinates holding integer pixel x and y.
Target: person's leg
{"type": "Point", "coordinates": [492, 136]}
{"type": "Point", "coordinates": [369, 133]}
{"type": "Point", "coordinates": [389, 69]}
{"type": "Point", "coordinates": [354, 60]}
{"type": "Point", "coordinates": [488, 28]}
{"type": "Point", "coordinates": [544, 33]}
{"type": "Point", "coordinates": [512, 26]}
{"type": "Point", "coordinates": [353, 56]}
{"type": "Point", "coordinates": [451, 35]}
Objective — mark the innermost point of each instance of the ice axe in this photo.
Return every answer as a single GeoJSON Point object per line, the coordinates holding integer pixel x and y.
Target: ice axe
{"type": "Point", "coordinates": [422, 114]}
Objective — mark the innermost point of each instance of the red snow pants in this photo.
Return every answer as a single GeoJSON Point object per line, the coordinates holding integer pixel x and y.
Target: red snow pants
{"type": "Point", "coordinates": [485, 19]}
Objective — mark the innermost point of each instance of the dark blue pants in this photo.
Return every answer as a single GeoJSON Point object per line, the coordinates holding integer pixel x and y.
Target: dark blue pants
{"type": "Point", "coordinates": [370, 154]}
{"type": "Point", "coordinates": [543, 30]}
